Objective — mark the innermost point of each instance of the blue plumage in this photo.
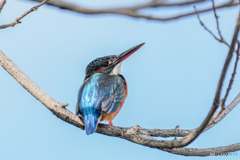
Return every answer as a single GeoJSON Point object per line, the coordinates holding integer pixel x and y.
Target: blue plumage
{"type": "Point", "coordinates": [91, 121]}
{"type": "Point", "coordinates": [104, 90]}
{"type": "Point", "coordinates": [100, 94]}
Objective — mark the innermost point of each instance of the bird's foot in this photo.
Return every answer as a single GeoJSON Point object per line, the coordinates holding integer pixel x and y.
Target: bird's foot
{"type": "Point", "coordinates": [110, 124]}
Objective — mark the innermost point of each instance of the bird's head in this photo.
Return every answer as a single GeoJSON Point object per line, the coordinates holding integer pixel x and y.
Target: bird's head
{"type": "Point", "coordinates": [109, 64]}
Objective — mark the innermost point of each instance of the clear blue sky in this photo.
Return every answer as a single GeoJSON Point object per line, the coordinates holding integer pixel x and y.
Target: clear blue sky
{"type": "Point", "coordinates": [172, 79]}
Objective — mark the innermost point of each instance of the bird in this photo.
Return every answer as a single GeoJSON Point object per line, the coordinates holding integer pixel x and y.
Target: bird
{"type": "Point", "coordinates": [104, 90]}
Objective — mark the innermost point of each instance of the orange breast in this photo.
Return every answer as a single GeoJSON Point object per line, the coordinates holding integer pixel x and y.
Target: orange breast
{"type": "Point", "coordinates": [111, 116]}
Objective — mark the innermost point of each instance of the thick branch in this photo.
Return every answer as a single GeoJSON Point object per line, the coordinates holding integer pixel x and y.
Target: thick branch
{"type": "Point", "coordinates": [22, 16]}
{"type": "Point", "coordinates": [132, 11]}
{"type": "Point", "coordinates": [142, 137]}
{"type": "Point", "coordinates": [2, 3]}
{"type": "Point", "coordinates": [58, 110]}
{"type": "Point", "coordinates": [56, 107]}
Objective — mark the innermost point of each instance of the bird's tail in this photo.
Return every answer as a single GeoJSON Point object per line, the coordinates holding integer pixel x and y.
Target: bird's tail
{"type": "Point", "coordinates": [91, 122]}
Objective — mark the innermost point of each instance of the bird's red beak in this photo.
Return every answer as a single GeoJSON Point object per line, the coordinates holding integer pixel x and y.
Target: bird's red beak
{"type": "Point", "coordinates": [121, 57]}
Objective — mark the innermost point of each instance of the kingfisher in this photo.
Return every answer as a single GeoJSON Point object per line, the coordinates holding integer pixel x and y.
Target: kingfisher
{"type": "Point", "coordinates": [104, 90]}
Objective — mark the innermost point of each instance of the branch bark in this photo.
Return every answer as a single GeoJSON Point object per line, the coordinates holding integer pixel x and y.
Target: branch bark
{"type": "Point", "coordinates": [2, 3]}
{"type": "Point", "coordinates": [232, 78]}
{"type": "Point", "coordinates": [204, 151]}
{"type": "Point", "coordinates": [224, 112]}
{"type": "Point", "coordinates": [133, 10]}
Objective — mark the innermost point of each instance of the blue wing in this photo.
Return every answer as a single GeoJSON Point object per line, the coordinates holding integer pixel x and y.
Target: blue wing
{"type": "Point", "coordinates": [78, 110]}
{"type": "Point", "coordinates": [112, 88]}
{"type": "Point", "coordinates": [101, 94]}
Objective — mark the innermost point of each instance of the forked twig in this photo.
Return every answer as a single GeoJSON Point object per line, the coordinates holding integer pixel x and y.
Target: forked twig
{"type": "Point", "coordinates": [23, 15]}
{"type": "Point", "coordinates": [222, 40]}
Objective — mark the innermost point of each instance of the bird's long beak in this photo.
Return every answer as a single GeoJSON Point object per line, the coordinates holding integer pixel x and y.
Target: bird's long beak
{"type": "Point", "coordinates": [121, 57]}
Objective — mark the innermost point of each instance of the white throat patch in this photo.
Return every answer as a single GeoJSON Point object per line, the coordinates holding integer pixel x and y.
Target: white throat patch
{"type": "Point", "coordinates": [117, 69]}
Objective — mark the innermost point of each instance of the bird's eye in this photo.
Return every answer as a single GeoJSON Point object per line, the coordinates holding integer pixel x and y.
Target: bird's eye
{"type": "Point", "coordinates": [106, 64]}
{"type": "Point", "coordinates": [110, 61]}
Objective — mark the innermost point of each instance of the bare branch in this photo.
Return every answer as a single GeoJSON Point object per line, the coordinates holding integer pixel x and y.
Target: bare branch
{"type": "Point", "coordinates": [55, 107]}
{"type": "Point", "coordinates": [2, 3]}
{"type": "Point", "coordinates": [226, 64]}
{"type": "Point", "coordinates": [216, 115]}
{"type": "Point", "coordinates": [132, 11]}
{"type": "Point", "coordinates": [207, 151]}
{"type": "Point", "coordinates": [222, 40]}
{"type": "Point", "coordinates": [191, 137]}
{"type": "Point", "coordinates": [22, 16]}
{"type": "Point", "coordinates": [232, 78]}
{"type": "Point", "coordinates": [137, 135]}
{"type": "Point", "coordinates": [224, 112]}
{"type": "Point", "coordinates": [140, 136]}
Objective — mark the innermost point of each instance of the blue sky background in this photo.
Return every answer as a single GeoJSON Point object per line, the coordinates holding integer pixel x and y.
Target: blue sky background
{"type": "Point", "coordinates": [172, 79]}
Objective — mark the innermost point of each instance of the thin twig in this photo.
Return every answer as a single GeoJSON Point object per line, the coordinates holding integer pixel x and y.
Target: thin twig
{"type": "Point", "coordinates": [2, 3]}
{"type": "Point", "coordinates": [22, 16]}
{"type": "Point", "coordinates": [232, 78]}
{"type": "Point", "coordinates": [216, 17]}
{"type": "Point", "coordinates": [222, 40]}
{"type": "Point", "coordinates": [188, 139]}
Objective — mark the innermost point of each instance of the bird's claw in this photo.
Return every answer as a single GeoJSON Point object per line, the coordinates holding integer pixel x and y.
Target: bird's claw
{"type": "Point", "coordinates": [110, 124]}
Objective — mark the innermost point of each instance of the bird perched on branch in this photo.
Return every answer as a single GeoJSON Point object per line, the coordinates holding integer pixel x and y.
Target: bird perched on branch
{"type": "Point", "coordinates": [104, 90]}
